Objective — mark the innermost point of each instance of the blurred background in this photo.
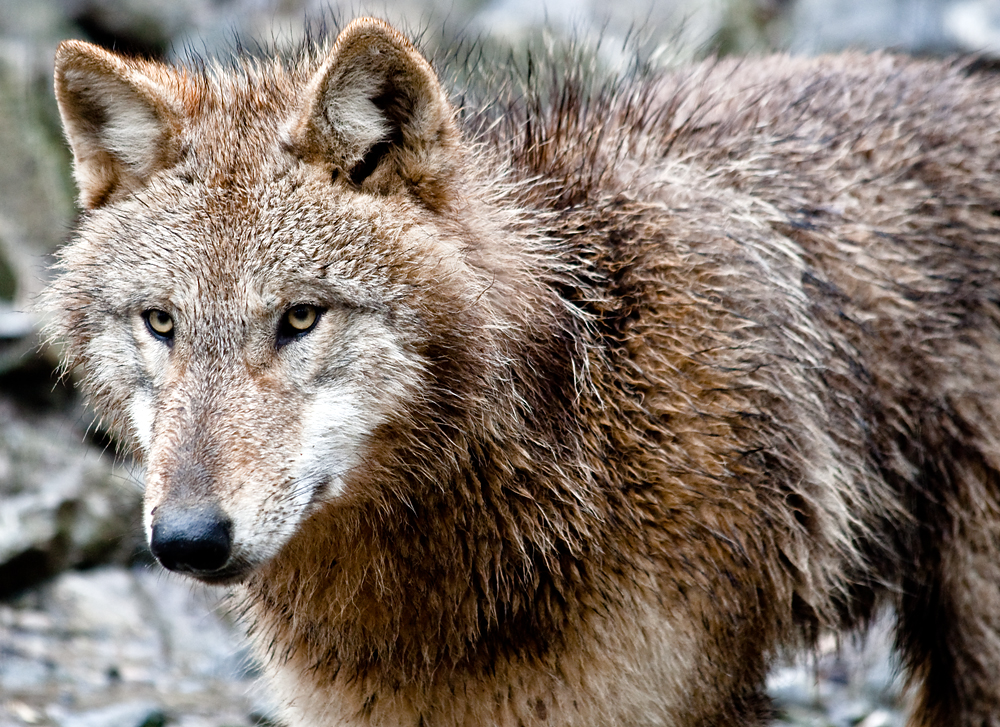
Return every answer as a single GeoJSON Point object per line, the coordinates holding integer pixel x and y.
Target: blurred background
{"type": "Point", "coordinates": [92, 634]}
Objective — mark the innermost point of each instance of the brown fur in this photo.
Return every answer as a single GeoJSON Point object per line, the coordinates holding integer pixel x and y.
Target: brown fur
{"type": "Point", "coordinates": [650, 380]}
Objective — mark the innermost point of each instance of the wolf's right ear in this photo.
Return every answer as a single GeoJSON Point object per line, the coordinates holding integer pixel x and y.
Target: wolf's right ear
{"type": "Point", "coordinates": [376, 111]}
{"type": "Point", "coordinates": [118, 119]}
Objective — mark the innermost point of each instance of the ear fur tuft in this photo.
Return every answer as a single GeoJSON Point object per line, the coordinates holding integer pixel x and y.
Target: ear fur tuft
{"type": "Point", "coordinates": [117, 117]}
{"type": "Point", "coordinates": [376, 111]}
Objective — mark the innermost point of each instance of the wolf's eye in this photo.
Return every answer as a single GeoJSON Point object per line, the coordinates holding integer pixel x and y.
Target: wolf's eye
{"type": "Point", "coordinates": [297, 322]}
{"type": "Point", "coordinates": [302, 317]}
{"type": "Point", "coordinates": [159, 323]}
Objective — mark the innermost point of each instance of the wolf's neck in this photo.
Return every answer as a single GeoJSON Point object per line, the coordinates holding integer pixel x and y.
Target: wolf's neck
{"type": "Point", "coordinates": [459, 550]}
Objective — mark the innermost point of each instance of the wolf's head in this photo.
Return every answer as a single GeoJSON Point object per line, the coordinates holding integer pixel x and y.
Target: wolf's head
{"type": "Point", "coordinates": [275, 282]}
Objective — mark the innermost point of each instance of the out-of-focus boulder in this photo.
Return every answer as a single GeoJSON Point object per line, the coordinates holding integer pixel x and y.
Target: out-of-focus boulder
{"type": "Point", "coordinates": [63, 503]}
{"type": "Point", "coordinates": [35, 194]}
{"type": "Point", "coordinates": [974, 25]}
{"type": "Point", "coordinates": [117, 647]}
{"type": "Point", "coordinates": [912, 26]}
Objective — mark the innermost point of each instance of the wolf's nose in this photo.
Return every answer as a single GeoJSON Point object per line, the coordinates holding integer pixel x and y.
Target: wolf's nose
{"type": "Point", "coordinates": [195, 539]}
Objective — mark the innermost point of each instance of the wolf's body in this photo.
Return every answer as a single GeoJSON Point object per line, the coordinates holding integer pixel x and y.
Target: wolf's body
{"type": "Point", "coordinates": [604, 404]}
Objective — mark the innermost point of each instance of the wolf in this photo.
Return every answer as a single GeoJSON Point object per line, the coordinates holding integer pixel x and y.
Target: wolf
{"type": "Point", "coordinates": [572, 408]}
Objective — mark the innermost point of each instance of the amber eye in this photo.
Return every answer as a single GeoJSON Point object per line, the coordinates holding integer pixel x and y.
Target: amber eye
{"type": "Point", "coordinates": [302, 317]}
{"type": "Point", "coordinates": [297, 322]}
{"type": "Point", "coordinates": [159, 323]}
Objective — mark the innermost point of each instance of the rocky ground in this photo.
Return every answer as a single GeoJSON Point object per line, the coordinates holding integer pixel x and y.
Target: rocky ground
{"type": "Point", "coordinates": [123, 647]}
{"type": "Point", "coordinates": [91, 633]}
{"type": "Point", "coordinates": [135, 647]}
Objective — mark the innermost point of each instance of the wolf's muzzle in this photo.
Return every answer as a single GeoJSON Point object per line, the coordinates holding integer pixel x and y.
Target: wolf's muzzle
{"type": "Point", "coordinates": [192, 540]}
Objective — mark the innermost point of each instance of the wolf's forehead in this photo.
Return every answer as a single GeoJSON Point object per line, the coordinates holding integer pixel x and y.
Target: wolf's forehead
{"type": "Point", "coordinates": [237, 124]}
{"type": "Point", "coordinates": [246, 225]}
{"type": "Point", "coordinates": [253, 258]}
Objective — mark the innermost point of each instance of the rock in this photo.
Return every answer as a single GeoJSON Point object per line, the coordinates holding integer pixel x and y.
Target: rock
{"type": "Point", "coordinates": [793, 684]}
{"type": "Point", "coordinates": [138, 26]}
{"type": "Point", "coordinates": [882, 718]}
{"type": "Point", "coordinates": [125, 647]}
{"type": "Point", "coordinates": [843, 683]}
{"type": "Point", "coordinates": [915, 26]}
{"type": "Point", "coordinates": [974, 25]}
{"type": "Point", "coordinates": [63, 503]}
{"type": "Point", "coordinates": [848, 712]}
{"type": "Point", "coordinates": [35, 193]}
{"type": "Point", "coordinates": [683, 28]}
{"type": "Point", "coordinates": [128, 714]}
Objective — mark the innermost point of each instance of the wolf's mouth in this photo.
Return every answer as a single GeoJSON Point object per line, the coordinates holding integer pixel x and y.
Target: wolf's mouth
{"type": "Point", "coordinates": [235, 570]}
{"type": "Point", "coordinates": [230, 574]}
{"type": "Point", "coordinates": [197, 541]}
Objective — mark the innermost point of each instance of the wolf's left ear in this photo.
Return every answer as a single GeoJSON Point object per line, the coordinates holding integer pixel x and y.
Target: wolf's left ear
{"type": "Point", "coordinates": [376, 111]}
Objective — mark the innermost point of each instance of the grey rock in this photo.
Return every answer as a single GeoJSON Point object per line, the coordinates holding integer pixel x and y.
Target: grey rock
{"type": "Point", "coordinates": [62, 503]}
{"type": "Point", "coordinates": [128, 714]}
{"type": "Point", "coordinates": [974, 25]}
{"type": "Point", "coordinates": [35, 194]}
{"type": "Point", "coordinates": [116, 646]}
{"type": "Point", "coordinates": [827, 25]}
{"type": "Point", "coordinates": [792, 685]}
{"type": "Point", "coordinates": [16, 324]}
{"type": "Point", "coordinates": [921, 26]}
{"type": "Point", "coordinates": [682, 29]}
{"type": "Point", "coordinates": [848, 711]}
{"type": "Point", "coordinates": [883, 718]}
{"type": "Point", "coordinates": [844, 682]}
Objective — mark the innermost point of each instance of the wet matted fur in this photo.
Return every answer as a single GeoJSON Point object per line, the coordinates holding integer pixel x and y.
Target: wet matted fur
{"type": "Point", "coordinates": [572, 409]}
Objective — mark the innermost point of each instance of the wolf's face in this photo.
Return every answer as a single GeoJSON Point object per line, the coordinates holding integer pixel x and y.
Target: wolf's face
{"type": "Point", "coordinates": [255, 287]}
{"type": "Point", "coordinates": [252, 362]}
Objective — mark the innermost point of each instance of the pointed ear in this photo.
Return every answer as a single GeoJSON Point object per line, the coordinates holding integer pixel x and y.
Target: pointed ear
{"type": "Point", "coordinates": [376, 111]}
{"type": "Point", "coordinates": [118, 119]}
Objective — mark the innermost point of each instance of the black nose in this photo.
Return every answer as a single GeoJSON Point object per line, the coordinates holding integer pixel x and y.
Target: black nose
{"type": "Point", "coordinates": [192, 539]}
